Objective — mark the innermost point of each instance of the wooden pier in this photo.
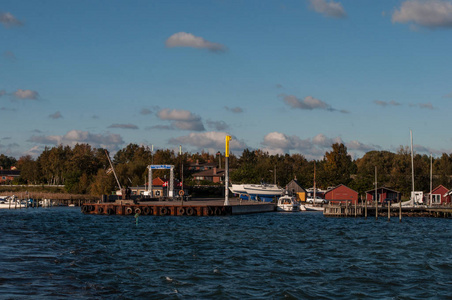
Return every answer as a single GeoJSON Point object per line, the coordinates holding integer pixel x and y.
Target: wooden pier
{"type": "Point", "coordinates": [211, 207]}
{"type": "Point", "coordinates": [386, 212]}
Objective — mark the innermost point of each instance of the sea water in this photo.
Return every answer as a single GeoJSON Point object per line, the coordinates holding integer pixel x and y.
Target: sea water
{"type": "Point", "coordinates": [60, 253]}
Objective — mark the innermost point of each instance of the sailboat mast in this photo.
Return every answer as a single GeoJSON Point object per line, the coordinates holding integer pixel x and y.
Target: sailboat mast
{"type": "Point", "coordinates": [412, 162]}
{"type": "Point", "coordinates": [314, 184]}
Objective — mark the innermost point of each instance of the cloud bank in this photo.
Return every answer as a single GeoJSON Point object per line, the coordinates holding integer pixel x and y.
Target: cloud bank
{"type": "Point", "coordinates": [308, 103]}
{"type": "Point", "coordinates": [109, 141]}
{"type": "Point", "coordinates": [181, 119]}
{"type": "Point", "coordinates": [431, 14]}
{"type": "Point", "coordinates": [184, 39]}
{"type": "Point", "coordinates": [213, 141]}
{"type": "Point", "coordinates": [311, 148]}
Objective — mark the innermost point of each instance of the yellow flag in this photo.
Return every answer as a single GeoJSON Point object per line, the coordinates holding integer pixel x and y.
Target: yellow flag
{"type": "Point", "coordinates": [228, 138]}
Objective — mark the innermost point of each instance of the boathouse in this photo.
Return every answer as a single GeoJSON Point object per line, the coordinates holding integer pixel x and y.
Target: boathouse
{"type": "Point", "coordinates": [296, 190]}
{"type": "Point", "coordinates": [342, 194]}
{"type": "Point", "coordinates": [383, 193]}
{"type": "Point", "coordinates": [439, 196]}
{"type": "Point", "coordinates": [8, 175]}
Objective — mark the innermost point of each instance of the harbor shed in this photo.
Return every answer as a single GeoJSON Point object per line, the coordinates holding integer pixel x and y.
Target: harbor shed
{"type": "Point", "coordinates": [383, 193]}
{"type": "Point", "coordinates": [342, 194]}
{"type": "Point", "coordinates": [294, 188]}
{"type": "Point", "coordinates": [439, 195]}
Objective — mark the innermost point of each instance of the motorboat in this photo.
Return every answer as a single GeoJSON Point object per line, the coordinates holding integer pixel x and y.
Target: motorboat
{"type": "Point", "coordinates": [12, 202]}
{"type": "Point", "coordinates": [288, 203]}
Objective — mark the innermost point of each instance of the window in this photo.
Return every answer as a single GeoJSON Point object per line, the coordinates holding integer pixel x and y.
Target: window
{"type": "Point", "coordinates": [436, 199]}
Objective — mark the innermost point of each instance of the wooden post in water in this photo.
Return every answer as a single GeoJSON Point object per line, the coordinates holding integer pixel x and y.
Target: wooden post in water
{"type": "Point", "coordinates": [365, 208]}
{"type": "Point", "coordinates": [400, 211]}
{"type": "Point", "coordinates": [376, 195]}
{"type": "Point", "coordinates": [389, 212]}
{"type": "Point", "coordinates": [355, 207]}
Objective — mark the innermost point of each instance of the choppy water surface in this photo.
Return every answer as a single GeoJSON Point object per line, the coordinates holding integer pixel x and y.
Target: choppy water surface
{"type": "Point", "coordinates": [62, 253]}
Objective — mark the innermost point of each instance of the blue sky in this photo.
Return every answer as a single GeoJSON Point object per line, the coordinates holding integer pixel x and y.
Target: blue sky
{"type": "Point", "coordinates": [281, 76]}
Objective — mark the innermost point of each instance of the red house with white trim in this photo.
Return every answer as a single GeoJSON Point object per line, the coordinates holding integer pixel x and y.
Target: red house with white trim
{"type": "Point", "coordinates": [439, 196]}
{"type": "Point", "coordinates": [342, 194]}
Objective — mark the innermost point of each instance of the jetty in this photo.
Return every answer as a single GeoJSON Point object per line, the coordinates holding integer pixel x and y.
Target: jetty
{"type": "Point", "coordinates": [386, 211]}
{"type": "Point", "coordinates": [194, 207]}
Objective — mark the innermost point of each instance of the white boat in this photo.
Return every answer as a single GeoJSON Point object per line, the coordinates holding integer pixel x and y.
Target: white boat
{"type": "Point", "coordinates": [311, 207]}
{"type": "Point", "coordinates": [12, 202]}
{"type": "Point", "coordinates": [260, 190]}
{"type": "Point", "coordinates": [287, 203]}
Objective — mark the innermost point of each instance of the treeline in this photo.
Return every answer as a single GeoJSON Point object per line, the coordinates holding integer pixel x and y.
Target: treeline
{"type": "Point", "coordinates": [85, 170]}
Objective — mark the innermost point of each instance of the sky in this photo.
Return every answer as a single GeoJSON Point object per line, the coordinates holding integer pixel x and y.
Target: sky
{"type": "Point", "coordinates": [289, 76]}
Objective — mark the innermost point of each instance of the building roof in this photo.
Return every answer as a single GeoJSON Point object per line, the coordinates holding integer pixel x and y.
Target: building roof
{"type": "Point", "coordinates": [382, 188]}
{"type": "Point", "coordinates": [332, 189]}
{"type": "Point", "coordinates": [210, 173]}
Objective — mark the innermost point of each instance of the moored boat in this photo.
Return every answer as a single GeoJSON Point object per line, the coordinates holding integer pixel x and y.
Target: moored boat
{"type": "Point", "coordinates": [288, 203]}
{"type": "Point", "coordinates": [257, 191]}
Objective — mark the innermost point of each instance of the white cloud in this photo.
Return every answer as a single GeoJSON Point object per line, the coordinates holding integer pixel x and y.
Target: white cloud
{"type": "Point", "coordinates": [328, 8]}
{"type": "Point", "coordinates": [426, 105]}
{"type": "Point", "coordinates": [217, 125]}
{"type": "Point", "coordinates": [56, 115]}
{"type": "Point", "coordinates": [213, 141]}
{"type": "Point", "coordinates": [308, 103]}
{"type": "Point", "coordinates": [184, 39]}
{"type": "Point", "coordinates": [73, 137]}
{"type": "Point", "coordinates": [430, 13]}
{"type": "Point", "coordinates": [235, 110]}
{"type": "Point", "coordinates": [385, 103]}
{"type": "Point", "coordinates": [123, 126]}
{"type": "Point", "coordinates": [8, 20]}
{"type": "Point", "coordinates": [311, 148]}
{"type": "Point", "coordinates": [145, 111]}
{"type": "Point", "coordinates": [26, 94]}
{"type": "Point", "coordinates": [182, 119]}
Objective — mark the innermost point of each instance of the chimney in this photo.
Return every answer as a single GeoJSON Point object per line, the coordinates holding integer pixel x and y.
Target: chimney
{"type": "Point", "coordinates": [214, 171]}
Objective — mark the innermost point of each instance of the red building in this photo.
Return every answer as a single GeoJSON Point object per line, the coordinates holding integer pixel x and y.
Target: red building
{"type": "Point", "coordinates": [382, 193]}
{"type": "Point", "coordinates": [439, 196]}
{"type": "Point", "coordinates": [342, 194]}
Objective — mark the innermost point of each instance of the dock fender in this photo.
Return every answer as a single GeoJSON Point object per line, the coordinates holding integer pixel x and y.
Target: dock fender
{"type": "Point", "coordinates": [128, 210]}
{"type": "Point", "coordinates": [163, 211]}
{"type": "Point", "coordinates": [138, 210]}
{"type": "Point", "coordinates": [210, 211]}
{"type": "Point", "coordinates": [91, 208]}
{"type": "Point", "coordinates": [189, 211]}
{"type": "Point", "coordinates": [84, 209]}
{"type": "Point", "coordinates": [146, 210]}
{"type": "Point", "coordinates": [218, 211]}
{"type": "Point", "coordinates": [181, 211]}
{"type": "Point", "coordinates": [100, 210]}
{"type": "Point", "coordinates": [110, 211]}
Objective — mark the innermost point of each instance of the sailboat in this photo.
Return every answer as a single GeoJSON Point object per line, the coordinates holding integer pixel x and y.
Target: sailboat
{"type": "Point", "coordinates": [417, 197]}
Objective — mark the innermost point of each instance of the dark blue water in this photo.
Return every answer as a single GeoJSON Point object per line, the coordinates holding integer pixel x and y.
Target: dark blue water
{"type": "Point", "coordinates": [61, 253]}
